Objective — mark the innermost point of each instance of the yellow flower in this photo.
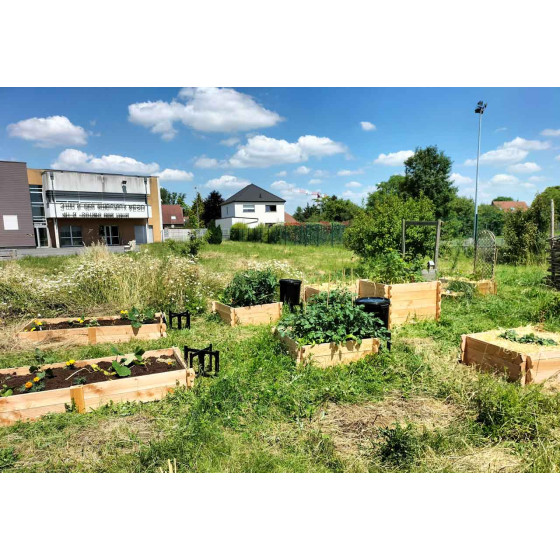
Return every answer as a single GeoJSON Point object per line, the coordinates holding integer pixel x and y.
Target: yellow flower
{"type": "Point", "coordinates": [38, 323]}
{"type": "Point", "coordinates": [36, 380]}
{"type": "Point", "coordinates": [124, 311]}
{"type": "Point", "coordinates": [70, 362]}
{"type": "Point", "coordinates": [28, 385]}
{"type": "Point", "coordinates": [80, 320]}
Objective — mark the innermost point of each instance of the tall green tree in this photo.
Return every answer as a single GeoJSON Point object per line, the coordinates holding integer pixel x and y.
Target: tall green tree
{"type": "Point", "coordinates": [492, 218]}
{"type": "Point", "coordinates": [502, 199]}
{"type": "Point", "coordinates": [196, 211]}
{"type": "Point", "coordinates": [212, 207]}
{"type": "Point", "coordinates": [428, 173]}
{"type": "Point", "coordinates": [338, 209]}
{"type": "Point", "coordinates": [171, 197]}
{"type": "Point", "coordinates": [307, 214]}
{"type": "Point", "coordinates": [539, 212]}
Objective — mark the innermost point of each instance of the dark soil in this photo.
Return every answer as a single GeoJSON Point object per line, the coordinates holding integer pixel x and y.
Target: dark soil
{"type": "Point", "coordinates": [75, 325]}
{"type": "Point", "coordinates": [61, 375]}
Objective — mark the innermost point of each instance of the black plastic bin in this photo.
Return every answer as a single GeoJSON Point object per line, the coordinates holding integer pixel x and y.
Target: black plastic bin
{"type": "Point", "coordinates": [290, 291]}
{"type": "Point", "coordinates": [379, 306]}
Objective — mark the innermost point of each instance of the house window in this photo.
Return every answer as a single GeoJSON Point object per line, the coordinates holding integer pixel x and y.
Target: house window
{"type": "Point", "coordinates": [173, 217]}
{"type": "Point", "coordinates": [70, 236]}
{"type": "Point", "coordinates": [270, 208]}
{"type": "Point", "coordinates": [248, 208]}
{"type": "Point", "coordinates": [11, 222]}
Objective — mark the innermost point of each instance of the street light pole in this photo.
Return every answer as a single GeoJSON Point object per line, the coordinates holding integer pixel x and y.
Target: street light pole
{"type": "Point", "coordinates": [480, 107]}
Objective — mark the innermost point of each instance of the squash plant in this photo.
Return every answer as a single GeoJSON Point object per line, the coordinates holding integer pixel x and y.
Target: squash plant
{"type": "Point", "coordinates": [251, 287]}
{"type": "Point", "coordinates": [331, 318]}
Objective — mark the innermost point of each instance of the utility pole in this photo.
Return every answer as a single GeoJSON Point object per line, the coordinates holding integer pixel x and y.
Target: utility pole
{"type": "Point", "coordinates": [552, 218]}
{"type": "Point", "coordinates": [480, 107]}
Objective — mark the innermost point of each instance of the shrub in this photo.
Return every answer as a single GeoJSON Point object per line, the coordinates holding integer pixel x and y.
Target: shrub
{"type": "Point", "coordinates": [391, 268]}
{"type": "Point", "coordinates": [252, 287]}
{"type": "Point", "coordinates": [259, 233]}
{"type": "Point", "coordinates": [523, 242]}
{"type": "Point", "coordinates": [238, 232]}
{"type": "Point", "coordinates": [373, 233]}
{"type": "Point", "coordinates": [188, 248]}
{"type": "Point", "coordinates": [214, 234]}
{"type": "Point", "coordinates": [331, 318]}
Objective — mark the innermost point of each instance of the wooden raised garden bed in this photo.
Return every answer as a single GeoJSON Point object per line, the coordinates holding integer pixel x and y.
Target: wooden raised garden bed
{"type": "Point", "coordinates": [420, 300]}
{"type": "Point", "coordinates": [313, 289]}
{"type": "Point", "coordinates": [137, 387]}
{"type": "Point", "coordinates": [111, 329]}
{"type": "Point", "coordinates": [526, 363]}
{"type": "Point", "coordinates": [251, 315]}
{"type": "Point", "coordinates": [330, 354]}
{"type": "Point", "coordinates": [482, 287]}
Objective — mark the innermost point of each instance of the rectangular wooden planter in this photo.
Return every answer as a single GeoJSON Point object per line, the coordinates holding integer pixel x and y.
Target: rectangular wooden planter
{"type": "Point", "coordinates": [251, 315]}
{"type": "Point", "coordinates": [482, 287]}
{"type": "Point", "coordinates": [330, 354]}
{"type": "Point", "coordinates": [30, 406]}
{"type": "Point", "coordinates": [524, 366]}
{"type": "Point", "coordinates": [94, 335]}
{"type": "Point", "coordinates": [312, 289]}
{"type": "Point", "coordinates": [420, 300]}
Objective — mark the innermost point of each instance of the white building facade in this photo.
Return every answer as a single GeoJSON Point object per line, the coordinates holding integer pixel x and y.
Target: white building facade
{"type": "Point", "coordinates": [253, 206]}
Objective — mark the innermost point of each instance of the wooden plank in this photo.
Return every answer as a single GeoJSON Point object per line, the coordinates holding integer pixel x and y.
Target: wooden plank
{"type": "Point", "coordinates": [250, 315]}
{"type": "Point", "coordinates": [485, 347]}
{"type": "Point", "coordinates": [396, 289]}
{"type": "Point", "coordinates": [77, 397]}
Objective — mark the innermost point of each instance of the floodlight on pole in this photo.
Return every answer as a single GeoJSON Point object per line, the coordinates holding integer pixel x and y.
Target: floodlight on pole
{"type": "Point", "coordinates": [480, 107]}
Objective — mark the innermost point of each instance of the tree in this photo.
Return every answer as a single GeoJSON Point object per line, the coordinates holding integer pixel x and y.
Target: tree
{"type": "Point", "coordinates": [196, 211]}
{"type": "Point", "coordinates": [170, 197]}
{"type": "Point", "coordinates": [460, 218]}
{"type": "Point", "coordinates": [522, 242]}
{"type": "Point", "coordinates": [502, 199]}
{"type": "Point", "coordinates": [492, 218]}
{"type": "Point", "coordinates": [338, 209]}
{"type": "Point", "coordinates": [428, 173]}
{"type": "Point", "coordinates": [393, 185]}
{"type": "Point", "coordinates": [374, 232]}
{"type": "Point", "coordinates": [212, 209]}
{"type": "Point", "coordinates": [214, 234]}
{"type": "Point", "coordinates": [539, 211]}
{"type": "Point", "coordinates": [307, 214]}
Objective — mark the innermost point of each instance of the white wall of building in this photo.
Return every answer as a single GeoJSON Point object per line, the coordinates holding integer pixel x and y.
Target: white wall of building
{"type": "Point", "coordinates": [239, 212]}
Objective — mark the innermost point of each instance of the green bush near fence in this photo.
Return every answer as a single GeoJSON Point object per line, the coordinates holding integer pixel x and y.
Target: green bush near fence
{"type": "Point", "coordinates": [303, 234]}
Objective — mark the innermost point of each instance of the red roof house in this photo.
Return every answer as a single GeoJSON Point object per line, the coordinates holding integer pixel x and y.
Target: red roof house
{"type": "Point", "coordinates": [172, 215]}
{"type": "Point", "coordinates": [510, 205]}
{"type": "Point", "coordinates": [288, 219]}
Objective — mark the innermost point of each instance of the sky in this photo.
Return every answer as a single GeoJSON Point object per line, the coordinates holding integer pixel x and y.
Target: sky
{"type": "Point", "coordinates": [295, 142]}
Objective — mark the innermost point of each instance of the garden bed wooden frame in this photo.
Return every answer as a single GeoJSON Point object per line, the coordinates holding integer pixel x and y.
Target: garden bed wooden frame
{"type": "Point", "coordinates": [483, 287]}
{"type": "Point", "coordinates": [95, 335]}
{"type": "Point", "coordinates": [250, 315]}
{"type": "Point", "coordinates": [151, 387]}
{"type": "Point", "coordinates": [329, 353]}
{"type": "Point", "coordinates": [312, 289]}
{"type": "Point", "coordinates": [524, 367]}
{"type": "Point", "coordinates": [419, 300]}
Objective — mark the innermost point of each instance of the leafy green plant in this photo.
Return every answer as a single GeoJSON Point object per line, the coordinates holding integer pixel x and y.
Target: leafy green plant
{"type": "Point", "coordinates": [214, 234]}
{"type": "Point", "coordinates": [400, 446]}
{"type": "Point", "coordinates": [465, 288]}
{"type": "Point", "coordinates": [7, 457]}
{"type": "Point", "coordinates": [391, 268]}
{"type": "Point", "coordinates": [331, 318]}
{"type": "Point", "coordinates": [529, 338]}
{"type": "Point", "coordinates": [138, 316]}
{"type": "Point", "coordinates": [122, 367]}
{"type": "Point", "coordinates": [238, 232]}
{"type": "Point", "coordinates": [252, 287]}
{"type": "Point", "coordinates": [79, 380]}
{"type": "Point", "coordinates": [5, 391]}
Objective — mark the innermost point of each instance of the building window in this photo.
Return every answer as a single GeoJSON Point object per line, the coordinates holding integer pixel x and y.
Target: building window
{"type": "Point", "coordinates": [173, 217]}
{"type": "Point", "coordinates": [11, 222]}
{"type": "Point", "coordinates": [248, 208]}
{"type": "Point", "coordinates": [70, 236]}
{"type": "Point", "coordinates": [270, 208]}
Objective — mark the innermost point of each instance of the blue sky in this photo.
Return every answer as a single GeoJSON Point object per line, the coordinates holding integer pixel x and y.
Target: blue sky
{"type": "Point", "coordinates": [292, 141]}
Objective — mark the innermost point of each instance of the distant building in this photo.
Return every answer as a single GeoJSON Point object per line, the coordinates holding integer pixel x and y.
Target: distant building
{"type": "Point", "coordinates": [253, 206]}
{"type": "Point", "coordinates": [55, 208]}
{"type": "Point", "coordinates": [290, 220]}
{"type": "Point", "coordinates": [172, 215]}
{"type": "Point", "coordinates": [510, 205]}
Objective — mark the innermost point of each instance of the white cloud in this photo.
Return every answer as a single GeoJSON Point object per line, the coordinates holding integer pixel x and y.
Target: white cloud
{"type": "Point", "coordinates": [358, 196]}
{"type": "Point", "coordinates": [281, 174]}
{"type": "Point", "coordinates": [48, 132]}
{"type": "Point", "coordinates": [227, 182]}
{"type": "Point", "coordinates": [315, 181]}
{"type": "Point", "coordinates": [206, 109]}
{"type": "Point", "coordinates": [302, 170]}
{"type": "Point", "coordinates": [551, 132]}
{"type": "Point", "coordinates": [321, 173]}
{"type": "Point", "coordinates": [353, 184]}
{"type": "Point", "coordinates": [262, 151]}
{"type": "Point", "coordinates": [346, 172]}
{"type": "Point", "coordinates": [527, 167]}
{"type": "Point", "coordinates": [367, 125]}
{"type": "Point", "coordinates": [501, 129]}
{"type": "Point", "coordinates": [394, 158]}
{"type": "Point", "coordinates": [282, 185]}
{"type": "Point", "coordinates": [230, 141]}
{"type": "Point", "coordinates": [501, 156]}
{"type": "Point", "coordinates": [75, 160]}
{"type": "Point", "coordinates": [503, 179]}
{"type": "Point", "coordinates": [536, 178]}
{"type": "Point", "coordinates": [175, 175]}
{"type": "Point", "coordinates": [460, 180]}
{"type": "Point", "coordinates": [528, 145]}
{"type": "Point", "coordinates": [206, 163]}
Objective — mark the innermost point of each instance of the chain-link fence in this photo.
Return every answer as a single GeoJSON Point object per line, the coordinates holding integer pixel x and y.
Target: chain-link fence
{"type": "Point", "coordinates": [301, 234]}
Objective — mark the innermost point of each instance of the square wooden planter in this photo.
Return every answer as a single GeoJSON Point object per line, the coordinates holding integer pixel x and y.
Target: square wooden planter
{"type": "Point", "coordinates": [330, 354]}
{"type": "Point", "coordinates": [251, 315]}
{"type": "Point", "coordinates": [30, 406]}
{"type": "Point", "coordinates": [94, 335]}
{"type": "Point", "coordinates": [420, 300]}
{"type": "Point", "coordinates": [482, 287]}
{"type": "Point", "coordinates": [312, 289]}
{"type": "Point", "coordinates": [525, 363]}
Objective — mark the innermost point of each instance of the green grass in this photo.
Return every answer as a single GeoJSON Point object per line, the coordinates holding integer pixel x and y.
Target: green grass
{"type": "Point", "coordinates": [413, 409]}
